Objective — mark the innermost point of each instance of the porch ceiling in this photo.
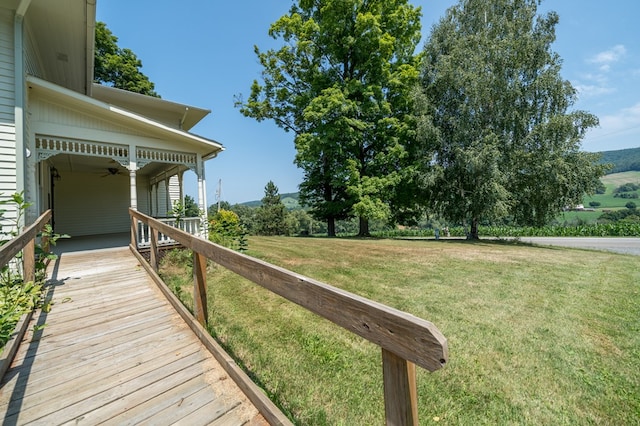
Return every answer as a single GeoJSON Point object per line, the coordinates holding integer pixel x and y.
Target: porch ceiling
{"type": "Point", "coordinates": [85, 164]}
{"type": "Point", "coordinates": [63, 36]}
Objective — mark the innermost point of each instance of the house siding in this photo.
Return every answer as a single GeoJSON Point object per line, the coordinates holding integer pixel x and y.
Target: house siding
{"type": "Point", "coordinates": [102, 208]}
{"type": "Point", "coordinates": [7, 110]}
{"type": "Point", "coordinates": [7, 95]}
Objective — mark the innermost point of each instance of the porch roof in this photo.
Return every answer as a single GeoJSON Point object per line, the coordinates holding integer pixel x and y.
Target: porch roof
{"type": "Point", "coordinates": [207, 148]}
{"type": "Point", "coordinates": [173, 114]}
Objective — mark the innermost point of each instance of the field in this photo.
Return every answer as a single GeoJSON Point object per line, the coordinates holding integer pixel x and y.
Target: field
{"type": "Point", "coordinates": [536, 335]}
{"type": "Point", "coordinates": [607, 201]}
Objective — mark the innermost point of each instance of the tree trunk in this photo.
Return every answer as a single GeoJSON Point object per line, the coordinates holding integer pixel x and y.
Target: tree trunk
{"type": "Point", "coordinates": [331, 226]}
{"type": "Point", "coordinates": [473, 234]}
{"type": "Point", "coordinates": [364, 228]}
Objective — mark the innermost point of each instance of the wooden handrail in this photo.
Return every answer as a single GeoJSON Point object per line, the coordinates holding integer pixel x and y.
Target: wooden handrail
{"type": "Point", "coordinates": [26, 238]}
{"type": "Point", "coordinates": [405, 339]}
{"type": "Point", "coordinates": [26, 241]}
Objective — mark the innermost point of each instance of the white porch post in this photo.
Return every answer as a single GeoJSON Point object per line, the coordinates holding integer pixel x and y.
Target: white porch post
{"type": "Point", "coordinates": [168, 196]}
{"type": "Point", "coordinates": [202, 196]}
{"type": "Point", "coordinates": [180, 186]}
{"type": "Point", "coordinates": [133, 188]}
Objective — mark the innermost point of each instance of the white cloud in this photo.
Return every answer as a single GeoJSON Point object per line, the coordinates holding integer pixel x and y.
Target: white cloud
{"type": "Point", "coordinates": [606, 58]}
{"type": "Point", "coordinates": [597, 83]}
{"type": "Point", "coordinates": [617, 131]}
{"type": "Point", "coordinates": [590, 90]}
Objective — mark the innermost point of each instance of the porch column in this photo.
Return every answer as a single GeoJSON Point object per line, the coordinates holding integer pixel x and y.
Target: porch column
{"type": "Point", "coordinates": [133, 188]}
{"type": "Point", "coordinates": [180, 185]}
{"type": "Point", "coordinates": [202, 187]}
{"type": "Point", "coordinates": [168, 195]}
{"type": "Point", "coordinates": [202, 198]}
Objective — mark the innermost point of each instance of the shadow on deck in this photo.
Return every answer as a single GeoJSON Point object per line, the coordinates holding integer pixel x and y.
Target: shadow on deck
{"type": "Point", "coordinates": [112, 349]}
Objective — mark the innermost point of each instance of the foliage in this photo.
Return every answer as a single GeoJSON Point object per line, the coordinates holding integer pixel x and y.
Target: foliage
{"type": "Point", "coordinates": [16, 296]}
{"type": "Point", "coordinates": [118, 67]}
{"type": "Point", "coordinates": [271, 216]}
{"type": "Point", "coordinates": [225, 229]}
{"type": "Point", "coordinates": [627, 187]}
{"type": "Point", "coordinates": [630, 205]}
{"type": "Point", "coordinates": [594, 203]}
{"type": "Point", "coordinates": [185, 209]}
{"type": "Point", "coordinates": [620, 224]}
{"type": "Point", "coordinates": [536, 335]}
{"type": "Point", "coordinates": [622, 160]}
{"type": "Point", "coordinates": [341, 83]}
{"type": "Point", "coordinates": [505, 145]}
{"type": "Point", "coordinates": [191, 208]}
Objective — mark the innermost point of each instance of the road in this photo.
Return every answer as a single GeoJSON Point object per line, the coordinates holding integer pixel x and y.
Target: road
{"type": "Point", "coordinates": [619, 245]}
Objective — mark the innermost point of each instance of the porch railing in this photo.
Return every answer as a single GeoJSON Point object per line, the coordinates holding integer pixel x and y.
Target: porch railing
{"type": "Point", "coordinates": [25, 242]}
{"type": "Point", "coordinates": [190, 225]}
{"type": "Point", "coordinates": [405, 340]}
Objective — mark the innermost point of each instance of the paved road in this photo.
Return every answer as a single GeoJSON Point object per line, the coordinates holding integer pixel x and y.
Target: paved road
{"type": "Point", "coordinates": [618, 245]}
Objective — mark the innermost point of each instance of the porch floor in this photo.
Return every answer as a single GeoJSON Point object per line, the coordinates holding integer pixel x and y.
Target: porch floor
{"type": "Point", "coordinates": [91, 242]}
{"type": "Point", "coordinates": [113, 350]}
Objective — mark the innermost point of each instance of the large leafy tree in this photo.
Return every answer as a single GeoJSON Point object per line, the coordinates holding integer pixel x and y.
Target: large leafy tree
{"type": "Point", "coordinates": [341, 82]}
{"type": "Point", "coordinates": [507, 144]}
{"type": "Point", "coordinates": [118, 67]}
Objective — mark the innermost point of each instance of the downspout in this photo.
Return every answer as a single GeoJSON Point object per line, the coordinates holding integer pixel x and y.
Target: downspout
{"type": "Point", "coordinates": [19, 95]}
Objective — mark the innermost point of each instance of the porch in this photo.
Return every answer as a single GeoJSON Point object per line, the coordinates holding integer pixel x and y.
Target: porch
{"type": "Point", "coordinates": [190, 225]}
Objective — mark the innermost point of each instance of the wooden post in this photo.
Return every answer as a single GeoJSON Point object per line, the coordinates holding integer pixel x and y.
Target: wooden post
{"type": "Point", "coordinates": [29, 261]}
{"type": "Point", "coordinates": [134, 232]}
{"type": "Point", "coordinates": [200, 288]}
{"type": "Point", "coordinates": [400, 391]}
{"type": "Point", "coordinates": [153, 237]}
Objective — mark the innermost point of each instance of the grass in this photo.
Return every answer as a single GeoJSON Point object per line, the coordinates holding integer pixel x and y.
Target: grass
{"type": "Point", "coordinates": [536, 335]}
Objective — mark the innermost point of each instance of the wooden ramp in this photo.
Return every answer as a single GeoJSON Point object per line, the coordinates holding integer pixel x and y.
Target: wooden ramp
{"type": "Point", "coordinates": [112, 350]}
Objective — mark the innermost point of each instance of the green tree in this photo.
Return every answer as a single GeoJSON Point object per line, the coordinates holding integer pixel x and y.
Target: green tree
{"type": "Point", "coordinates": [118, 67]}
{"type": "Point", "coordinates": [247, 216]}
{"type": "Point", "coordinates": [271, 216]}
{"type": "Point", "coordinates": [342, 83]}
{"type": "Point", "coordinates": [225, 228]}
{"type": "Point", "coordinates": [191, 208]}
{"type": "Point", "coordinates": [506, 144]}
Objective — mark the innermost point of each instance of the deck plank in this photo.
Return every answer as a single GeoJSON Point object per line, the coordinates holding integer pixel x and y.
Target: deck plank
{"type": "Point", "coordinates": [113, 350]}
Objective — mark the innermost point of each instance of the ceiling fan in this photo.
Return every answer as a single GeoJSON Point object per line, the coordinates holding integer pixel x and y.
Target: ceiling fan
{"type": "Point", "coordinates": [112, 171]}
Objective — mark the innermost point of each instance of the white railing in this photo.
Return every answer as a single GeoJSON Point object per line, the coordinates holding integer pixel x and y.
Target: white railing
{"type": "Point", "coordinates": [190, 225]}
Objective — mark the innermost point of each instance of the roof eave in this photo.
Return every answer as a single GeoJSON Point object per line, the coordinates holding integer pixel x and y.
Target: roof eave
{"type": "Point", "coordinates": [119, 114]}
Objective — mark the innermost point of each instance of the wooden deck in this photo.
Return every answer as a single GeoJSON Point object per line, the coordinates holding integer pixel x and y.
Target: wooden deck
{"type": "Point", "coordinates": [113, 350]}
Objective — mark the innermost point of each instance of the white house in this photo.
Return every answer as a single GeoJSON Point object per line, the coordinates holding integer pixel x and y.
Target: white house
{"type": "Point", "coordinates": [84, 150]}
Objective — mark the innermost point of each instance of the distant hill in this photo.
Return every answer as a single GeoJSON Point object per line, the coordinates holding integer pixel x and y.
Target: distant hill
{"type": "Point", "coordinates": [290, 201]}
{"type": "Point", "coordinates": [623, 160]}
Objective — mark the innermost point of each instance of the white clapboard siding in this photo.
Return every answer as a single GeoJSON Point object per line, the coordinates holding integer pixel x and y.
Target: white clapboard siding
{"type": "Point", "coordinates": [7, 82]}
{"type": "Point", "coordinates": [90, 204]}
{"type": "Point", "coordinates": [7, 108]}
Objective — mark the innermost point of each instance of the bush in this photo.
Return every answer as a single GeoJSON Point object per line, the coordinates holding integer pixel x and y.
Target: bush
{"type": "Point", "coordinates": [630, 205]}
{"type": "Point", "coordinates": [627, 187]}
{"type": "Point", "coordinates": [594, 204]}
{"type": "Point", "coordinates": [225, 229]}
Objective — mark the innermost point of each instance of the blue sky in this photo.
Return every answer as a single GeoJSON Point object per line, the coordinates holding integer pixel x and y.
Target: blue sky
{"type": "Point", "coordinates": [200, 52]}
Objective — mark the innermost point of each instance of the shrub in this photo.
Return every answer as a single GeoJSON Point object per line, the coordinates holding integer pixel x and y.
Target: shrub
{"type": "Point", "coordinates": [627, 187]}
{"type": "Point", "coordinates": [225, 229]}
{"type": "Point", "coordinates": [594, 203]}
{"type": "Point", "coordinates": [630, 205]}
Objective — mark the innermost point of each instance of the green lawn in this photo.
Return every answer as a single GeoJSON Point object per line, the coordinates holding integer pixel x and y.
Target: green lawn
{"type": "Point", "coordinates": [536, 335]}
